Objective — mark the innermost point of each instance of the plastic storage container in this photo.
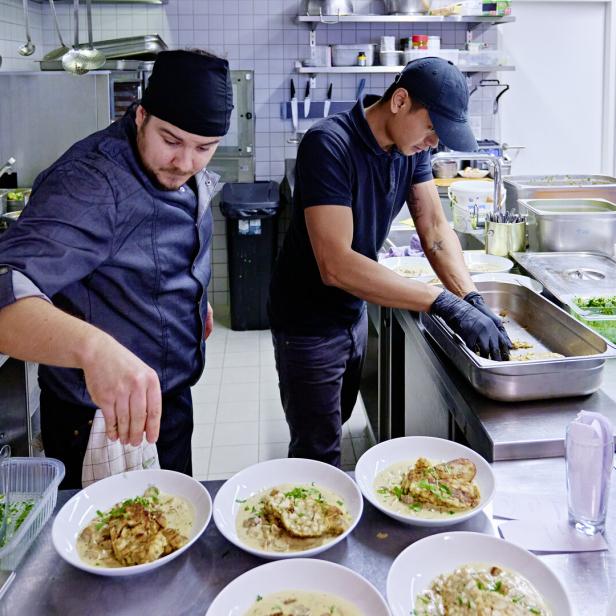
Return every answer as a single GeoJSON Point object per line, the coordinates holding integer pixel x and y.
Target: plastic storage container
{"type": "Point", "coordinates": [484, 57]}
{"type": "Point", "coordinates": [447, 54]}
{"type": "Point", "coordinates": [471, 201]}
{"type": "Point", "coordinates": [602, 320]}
{"type": "Point", "coordinates": [346, 55]}
{"type": "Point", "coordinates": [35, 479]}
{"type": "Point", "coordinates": [390, 58]}
{"type": "Point", "coordinates": [251, 210]}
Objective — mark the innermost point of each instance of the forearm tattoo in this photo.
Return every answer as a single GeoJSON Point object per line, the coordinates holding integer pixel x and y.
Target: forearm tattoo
{"type": "Point", "coordinates": [437, 246]}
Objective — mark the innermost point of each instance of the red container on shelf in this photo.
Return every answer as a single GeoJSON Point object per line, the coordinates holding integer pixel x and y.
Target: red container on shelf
{"type": "Point", "coordinates": [419, 41]}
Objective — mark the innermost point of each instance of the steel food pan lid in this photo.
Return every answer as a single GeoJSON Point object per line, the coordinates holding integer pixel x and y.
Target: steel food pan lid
{"type": "Point", "coordinates": [570, 207]}
{"type": "Point", "coordinates": [566, 274]}
{"type": "Point", "coordinates": [560, 181]}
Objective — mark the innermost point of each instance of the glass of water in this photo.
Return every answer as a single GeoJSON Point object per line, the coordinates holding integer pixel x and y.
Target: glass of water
{"type": "Point", "coordinates": [589, 452]}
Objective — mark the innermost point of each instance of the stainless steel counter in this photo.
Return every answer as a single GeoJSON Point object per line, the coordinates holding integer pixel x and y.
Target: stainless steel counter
{"type": "Point", "coordinates": [45, 584]}
{"type": "Point", "coordinates": [438, 401]}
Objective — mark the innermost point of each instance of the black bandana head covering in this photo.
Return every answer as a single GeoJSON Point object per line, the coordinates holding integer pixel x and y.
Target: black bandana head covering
{"type": "Point", "coordinates": [191, 91]}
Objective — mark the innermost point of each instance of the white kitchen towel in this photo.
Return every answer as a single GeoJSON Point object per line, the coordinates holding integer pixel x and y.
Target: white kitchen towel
{"type": "Point", "coordinates": [105, 457]}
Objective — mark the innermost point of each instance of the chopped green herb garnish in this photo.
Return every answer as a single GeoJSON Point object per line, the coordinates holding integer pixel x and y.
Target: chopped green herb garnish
{"type": "Point", "coordinates": [498, 585]}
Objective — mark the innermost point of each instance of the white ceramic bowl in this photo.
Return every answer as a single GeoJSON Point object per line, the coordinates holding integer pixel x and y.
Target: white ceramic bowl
{"type": "Point", "coordinates": [299, 574]}
{"type": "Point", "coordinates": [260, 477]}
{"type": "Point", "coordinates": [414, 569]}
{"type": "Point", "coordinates": [525, 281]}
{"type": "Point", "coordinates": [477, 261]}
{"type": "Point", "coordinates": [409, 448]}
{"type": "Point", "coordinates": [474, 174]}
{"type": "Point", "coordinates": [80, 510]}
{"type": "Point", "coordinates": [422, 263]}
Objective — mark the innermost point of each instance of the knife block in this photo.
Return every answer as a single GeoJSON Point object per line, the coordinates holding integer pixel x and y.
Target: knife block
{"type": "Point", "coordinates": [316, 109]}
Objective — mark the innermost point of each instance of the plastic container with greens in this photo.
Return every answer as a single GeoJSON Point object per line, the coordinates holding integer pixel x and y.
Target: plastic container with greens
{"type": "Point", "coordinates": [33, 487]}
{"type": "Point", "coordinates": [597, 312]}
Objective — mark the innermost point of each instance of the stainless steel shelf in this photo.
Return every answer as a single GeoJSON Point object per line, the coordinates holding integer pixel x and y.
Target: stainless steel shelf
{"type": "Point", "coordinates": [109, 1]}
{"type": "Point", "coordinates": [391, 19]}
{"type": "Point", "coordinates": [390, 69]}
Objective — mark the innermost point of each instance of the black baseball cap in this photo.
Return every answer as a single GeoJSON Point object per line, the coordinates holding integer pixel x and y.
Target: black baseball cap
{"type": "Point", "coordinates": [442, 89]}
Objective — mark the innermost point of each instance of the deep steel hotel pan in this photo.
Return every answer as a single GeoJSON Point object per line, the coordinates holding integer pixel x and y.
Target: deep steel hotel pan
{"type": "Point", "coordinates": [563, 186]}
{"type": "Point", "coordinates": [535, 319]}
{"type": "Point", "coordinates": [570, 225]}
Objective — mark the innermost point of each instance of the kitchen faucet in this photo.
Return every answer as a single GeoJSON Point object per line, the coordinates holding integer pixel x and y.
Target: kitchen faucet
{"type": "Point", "coordinates": [489, 158]}
{"type": "Point", "coordinates": [7, 166]}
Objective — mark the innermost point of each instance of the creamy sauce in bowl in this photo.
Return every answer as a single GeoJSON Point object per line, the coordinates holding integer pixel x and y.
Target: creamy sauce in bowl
{"type": "Point", "coordinates": [302, 603]}
{"type": "Point", "coordinates": [388, 487]}
{"type": "Point", "coordinates": [412, 272]}
{"type": "Point", "coordinates": [474, 589]}
{"type": "Point", "coordinates": [291, 518]}
{"type": "Point", "coordinates": [169, 522]}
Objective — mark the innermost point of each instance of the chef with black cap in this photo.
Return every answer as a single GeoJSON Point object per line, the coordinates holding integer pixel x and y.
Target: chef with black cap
{"type": "Point", "coordinates": [103, 279]}
{"type": "Point", "coordinates": [354, 172]}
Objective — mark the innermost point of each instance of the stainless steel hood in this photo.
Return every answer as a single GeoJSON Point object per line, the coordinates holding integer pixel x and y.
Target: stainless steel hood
{"type": "Point", "coordinates": [109, 1]}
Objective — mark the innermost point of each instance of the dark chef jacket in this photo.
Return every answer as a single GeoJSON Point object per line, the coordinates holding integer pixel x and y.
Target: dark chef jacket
{"type": "Point", "coordinates": [106, 245]}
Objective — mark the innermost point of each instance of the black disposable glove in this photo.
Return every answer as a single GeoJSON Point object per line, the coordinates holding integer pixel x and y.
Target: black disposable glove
{"type": "Point", "coordinates": [476, 329]}
{"type": "Point", "coordinates": [476, 299]}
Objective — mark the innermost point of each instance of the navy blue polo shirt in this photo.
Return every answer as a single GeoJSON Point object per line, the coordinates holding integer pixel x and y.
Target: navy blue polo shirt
{"type": "Point", "coordinates": [339, 162]}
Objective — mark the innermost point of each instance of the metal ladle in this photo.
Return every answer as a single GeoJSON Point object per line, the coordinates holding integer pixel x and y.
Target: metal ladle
{"type": "Point", "coordinates": [77, 60]}
{"type": "Point", "coordinates": [95, 58]}
{"type": "Point", "coordinates": [63, 49]}
{"type": "Point", "coordinates": [72, 60]}
{"type": "Point", "coordinates": [28, 48]}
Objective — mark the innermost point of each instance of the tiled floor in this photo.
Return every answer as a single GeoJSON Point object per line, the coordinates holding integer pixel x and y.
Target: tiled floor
{"type": "Point", "coordinates": [238, 415]}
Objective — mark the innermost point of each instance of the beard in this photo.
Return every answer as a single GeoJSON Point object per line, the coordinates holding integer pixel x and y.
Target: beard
{"type": "Point", "coordinates": [164, 178]}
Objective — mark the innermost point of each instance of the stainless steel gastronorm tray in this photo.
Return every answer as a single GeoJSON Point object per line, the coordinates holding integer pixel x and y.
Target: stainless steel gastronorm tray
{"type": "Point", "coordinates": [570, 274]}
{"type": "Point", "coordinates": [563, 186]}
{"type": "Point", "coordinates": [534, 319]}
{"type": "Point", "coordinates": [145, 47]}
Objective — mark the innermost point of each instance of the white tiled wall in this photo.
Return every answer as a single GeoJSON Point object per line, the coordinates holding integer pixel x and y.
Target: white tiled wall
{"type": "Point", "coordinates": [253, 34]}
{"type": "Point", "coordinates": [13, 35]}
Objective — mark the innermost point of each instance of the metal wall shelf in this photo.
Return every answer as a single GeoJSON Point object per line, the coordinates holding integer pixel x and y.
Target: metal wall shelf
{"type": "Point", "coordinates": [314, 70]}
{"type": "Point", "coordinates": [315, 20]}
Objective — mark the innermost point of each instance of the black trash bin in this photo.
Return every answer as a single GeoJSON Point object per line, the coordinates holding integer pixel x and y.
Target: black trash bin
{"type": "Point", "coordinates": [251, 210]}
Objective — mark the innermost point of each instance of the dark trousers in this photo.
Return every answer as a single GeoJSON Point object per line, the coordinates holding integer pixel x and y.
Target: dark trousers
{"type": "Point", "coordinates": [66, 429]}
{"type": "Point", "coordinates": [319, 380]}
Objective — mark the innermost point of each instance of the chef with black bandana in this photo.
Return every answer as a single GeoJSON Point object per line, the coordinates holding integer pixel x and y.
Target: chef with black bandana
{"type": "Point", "coordinates": [103, 281]}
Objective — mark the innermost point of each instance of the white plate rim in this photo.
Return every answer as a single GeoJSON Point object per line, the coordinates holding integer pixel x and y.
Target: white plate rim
{"type": "Point", "coordinates": [439, 537]}
{"type": "Point", "coordinates": [235, 540]}
{"type": "Point", "coordinates": [368, 491]}
{"type": "Point", "coordinates": [135, 569]}
{"type": "Point", "coordinates": [272, 566]}
{"type": "Point", "coordinates": [482, 257]}
{"type": "Point", "coordinates": [392, 262]}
